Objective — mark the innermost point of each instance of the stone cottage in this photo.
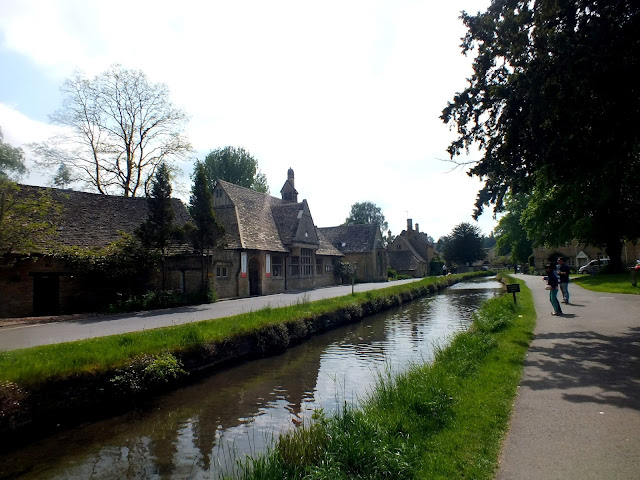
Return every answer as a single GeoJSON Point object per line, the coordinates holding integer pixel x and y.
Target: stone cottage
{"type": "Point", "coordinates": [42, 282]}
{"type": "Point", "coordinates": [411, 252]}
{"type": "Point", "coordinates": [362, 245]}
{"type": "Point", "coordinates": [270, 244]}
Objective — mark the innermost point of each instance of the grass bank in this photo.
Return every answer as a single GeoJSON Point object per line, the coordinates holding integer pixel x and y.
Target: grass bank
{"type": "Point", "coordinates": [438, 421]}
{"type": "Point", "coordinates": [608, 282]}
{"type": "Point", "coordinates": [64, 379]}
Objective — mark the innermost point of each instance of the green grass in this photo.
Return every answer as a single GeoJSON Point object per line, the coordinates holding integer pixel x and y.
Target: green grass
{"type": "Point", "coordinates": [29, 367]}
{"type": "Point", "coordinates": [441, 420]}
{"type": "Point", "coordinates": [608, 282]}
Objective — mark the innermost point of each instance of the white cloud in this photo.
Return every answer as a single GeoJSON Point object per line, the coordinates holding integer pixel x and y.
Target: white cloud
{"type": "Point", "coordinates": [348, 94]}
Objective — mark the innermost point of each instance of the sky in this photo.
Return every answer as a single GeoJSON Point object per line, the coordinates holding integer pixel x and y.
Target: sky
{"type": "Point", "coordinates": [346, 93]}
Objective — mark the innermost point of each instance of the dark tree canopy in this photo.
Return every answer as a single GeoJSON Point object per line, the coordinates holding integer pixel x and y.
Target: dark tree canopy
{"type": "Point", "coordinates": [11, 159]}
{"type": "Point", "coordinates": [550, 104]}
{"type": "Point", "coordinates": [512, 238]}
{"type": "Point", "coordinates": [366, 213]}
{"type": "Point", "coordinates": [159, 230]}
{"type": "Point", "coordinates": [234, 165]}
{"type": "Point", "coordinates": [464, 244]}
{"type": "Point", "coordinates": [208, 231]}
{"type": "Point", "coordinates": [121, 127]}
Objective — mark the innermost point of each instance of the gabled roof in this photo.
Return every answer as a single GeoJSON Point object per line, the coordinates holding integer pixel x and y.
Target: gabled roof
{"type": "Point", "coordinates": [249, 224]}
{"type": "Point", "coordinates": [93, 220]}
{"type": "Point", "coordinates": [287, 216]}
{"type": "Point", "coordinates": [326, 248]}
{"type": "Point", "coordinates": [352, 238]}
{"type": "Point", "coordinates": [407, 258]}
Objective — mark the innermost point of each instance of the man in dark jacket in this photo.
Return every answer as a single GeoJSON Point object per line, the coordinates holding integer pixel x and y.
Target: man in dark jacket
{"type": "Point", "coordinates": [552, 286]}
{"type": "Point", "coordinates": [563, 275]}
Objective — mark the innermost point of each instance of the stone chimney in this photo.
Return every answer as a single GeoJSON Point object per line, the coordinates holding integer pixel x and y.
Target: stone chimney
{"type": "Point", "coordinates": [417, 228]}
{"type": "Point", "coordinates": [289, 192]}
{"type": "Point", "coordinates": [290, 177]}
{"type": "Point", "coordinates": [409, 224]}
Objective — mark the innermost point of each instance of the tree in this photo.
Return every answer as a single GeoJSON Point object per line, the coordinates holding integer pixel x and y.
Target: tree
{"type": "Point", "coordinates": [207, 232]}
{"type": "Point", "coordinates": [234, 165]}
{"type": "Point", "coordinates": [11, 160]}
{"type": "Point", "coordinates": [159, 230]}
{"type": "Point", "coordinates": [511, 236]}
{"type": "Point", "coordinates": [549, 104]}
{"type": "Point", "coordinates": [366, 213]}
{"type": "Point", "coordinates": [27, 220]}
{"type": "Point", "coordinates": [464, 244]}
{"type": "Point", "coordinates": [62, 178]}
{"type": "Point", "coordinates": [120, 128]}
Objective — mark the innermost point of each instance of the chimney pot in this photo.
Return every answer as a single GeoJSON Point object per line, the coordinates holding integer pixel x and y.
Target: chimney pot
{"type": "Point", "coordinates": [409, 224]}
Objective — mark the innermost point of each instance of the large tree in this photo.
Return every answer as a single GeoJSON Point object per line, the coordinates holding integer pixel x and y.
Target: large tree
{"type": "Point", "coordinates": [511, 235]}
{"type": "Point", "coordinates": [234, 165]}
{"type": "Point", "coordinates": [159, 230]}
{"type": "Point", "coordinates": [366, 212]}
{"type": "Point", "coordinates": [208, 231]}
{"type": "Point", "coordinates": [464, 244]}
{"type": "Point", "coordinates": [11, 160]}
{"type": "Point", "coordinates": [550, 104]}
{"type": "Point", "coordinates": [119, 128]}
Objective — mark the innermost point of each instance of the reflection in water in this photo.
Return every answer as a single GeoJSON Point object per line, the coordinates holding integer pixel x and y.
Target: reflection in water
{"type": "Point", "coordinates": [191, 433]}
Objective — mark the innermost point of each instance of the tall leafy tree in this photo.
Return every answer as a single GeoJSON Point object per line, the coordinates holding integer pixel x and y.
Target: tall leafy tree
{"type": "Point", "coordinates": [366, 213]}
{"type": "Point", "coordinates": [11, 160]}
{"type": "Point", "coordinates": [121, 128]}
{"type": "Point", "coordinates": [549, 103]}
{"type": "Point", "coordinates": [207, 231]}
{"type": "Point", "coordinates": [464, 244]}
{"type": "Point", "coordinates": [234, 165]}
{"type": "Point", "coordinates": [159, 230]}
{"type": "Point", "coordinates": [511, 235]}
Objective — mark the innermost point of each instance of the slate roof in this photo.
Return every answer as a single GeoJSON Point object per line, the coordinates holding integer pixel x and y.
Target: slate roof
{"type": "Point", "coordinates": [93, 220]}
{"type": "Point", "coordinates": [407, 258]}
{"type": "Point", "coordinates": [249, 223]}
{"type": "Point", "coordinates": [286, 216]}
{"type": "Point", "coordinates": [325, 247]}
{"type": "Point", "coordinates": [352, 238]}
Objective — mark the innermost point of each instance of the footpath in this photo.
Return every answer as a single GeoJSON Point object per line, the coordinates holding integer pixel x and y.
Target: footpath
{"type": "Point", "coordinates": [577, 413]}
{"type": "Point", "coordinates": [25, 333]}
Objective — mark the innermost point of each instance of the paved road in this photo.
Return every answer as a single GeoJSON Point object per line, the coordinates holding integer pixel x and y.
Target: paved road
{"type": "Point", "coordinates": [24, 336]}
{"type": "Point", "coordinates": [577, 414]}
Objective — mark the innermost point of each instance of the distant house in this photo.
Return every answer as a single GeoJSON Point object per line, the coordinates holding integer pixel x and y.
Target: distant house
{"type": "Point", "coordinates": [362, 245]}
{"type": "Point", "coordinates": [411, 252]}
{"type": "Point", "coordinates": [270, 244]}
{"type": "Point", "coordinates": [579, 254]}
{"type": "Point", "coordinates": [42, 283]}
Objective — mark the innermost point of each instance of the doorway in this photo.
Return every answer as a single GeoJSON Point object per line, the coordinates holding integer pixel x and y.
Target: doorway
{"type": "Point", "coordinates": [255, 288]}
{"type": "Point", "coordinates": [46, 295]}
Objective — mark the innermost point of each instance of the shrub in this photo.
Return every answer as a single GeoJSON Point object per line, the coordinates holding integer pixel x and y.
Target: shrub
{"type": "Point", "coordinates": [391, 274]}
{"type": "Point", "coordinates": [11, 398]}
{"type": "Point", "coordinates": [146, 372]}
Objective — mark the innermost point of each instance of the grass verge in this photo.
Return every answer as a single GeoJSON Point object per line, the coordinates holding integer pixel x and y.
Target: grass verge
{"type": "Point", "coordinates": [608, 282]}
{"type": "Point", "coordinates": [438, 421]}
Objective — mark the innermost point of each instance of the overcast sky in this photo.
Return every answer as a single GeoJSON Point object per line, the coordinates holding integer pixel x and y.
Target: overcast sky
{"type": "Point", "coordinates": [347, 93]}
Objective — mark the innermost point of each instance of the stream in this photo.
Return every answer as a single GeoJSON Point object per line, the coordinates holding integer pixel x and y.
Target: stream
{"type": "Point", "coordinates": [200, 430]}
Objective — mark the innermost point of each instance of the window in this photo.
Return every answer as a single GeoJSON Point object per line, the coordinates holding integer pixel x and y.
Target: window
{"type": "Point", "coordinates": [327, 268]}
{"type": "Point", "coordinates": [295, 266]}
{"type": "Point", "coordinates": [319, 269]}
{"type": "Point", "coordinates": [221, 272]}
{"type": "Point", "coordinates": [305, 260]}
{"type": "Point", "coordinates": [276, 266]}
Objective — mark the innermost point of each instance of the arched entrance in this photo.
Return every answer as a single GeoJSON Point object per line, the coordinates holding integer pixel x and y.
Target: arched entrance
{"type": "Point", "coordinates": [255, 286]}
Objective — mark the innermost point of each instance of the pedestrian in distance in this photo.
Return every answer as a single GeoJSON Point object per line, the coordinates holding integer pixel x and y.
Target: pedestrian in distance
{"type": "Point", "coordinates": [444, 269]}
{"type": "Point", "coordinates": [552, 285]}
{"type": "Point", "coordinates": [563, 276]}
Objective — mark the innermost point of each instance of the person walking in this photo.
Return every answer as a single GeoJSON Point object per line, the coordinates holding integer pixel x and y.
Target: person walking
{"type": "Point", "coordinates": [563, 276]}
{"type": "Point", "coordinates": [552, 286]}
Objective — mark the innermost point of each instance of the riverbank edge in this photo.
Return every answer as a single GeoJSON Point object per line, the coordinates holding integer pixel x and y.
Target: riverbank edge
{"type": "Point", "coordinates": [439, 420]}
{"type": "Point", "coordinates": [56, 403]}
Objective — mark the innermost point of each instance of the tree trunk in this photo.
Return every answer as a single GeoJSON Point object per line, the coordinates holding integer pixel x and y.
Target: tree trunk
{"type": "Point", "coordinates": [614, 251]}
